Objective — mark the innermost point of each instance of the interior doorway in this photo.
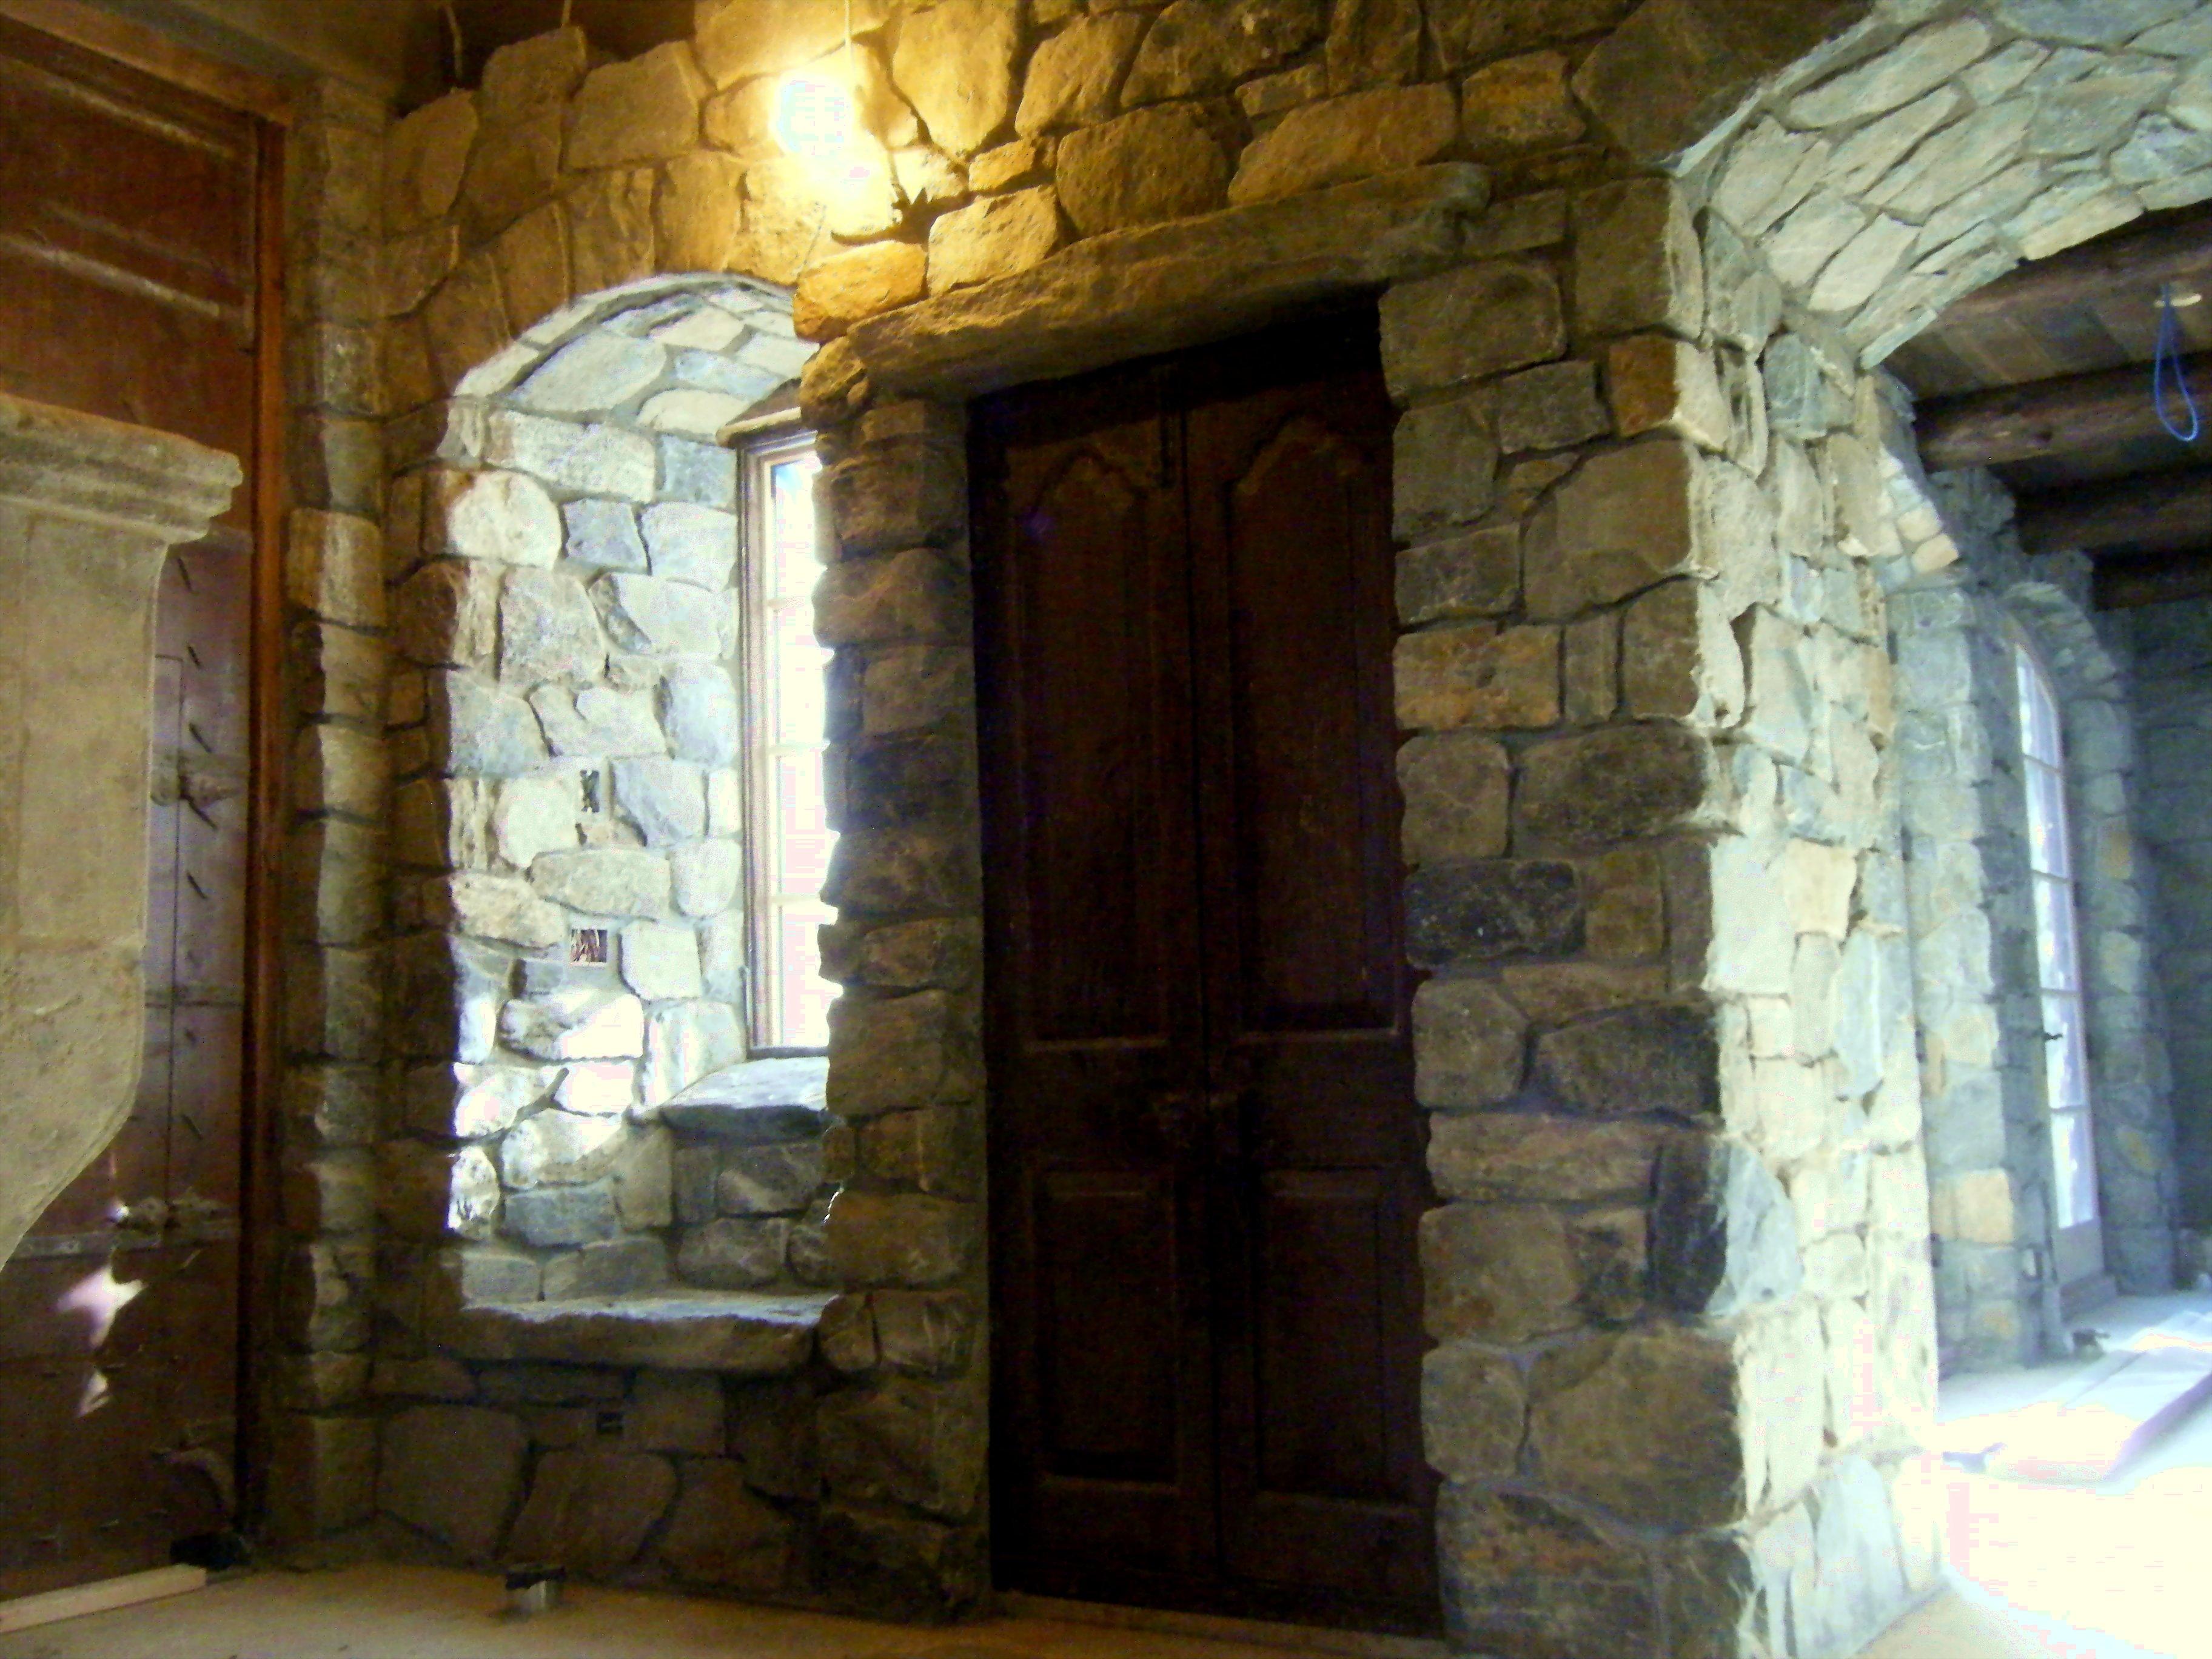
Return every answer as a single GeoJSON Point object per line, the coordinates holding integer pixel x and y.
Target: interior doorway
{"type": "Point", "coordinates": [1207, 1161]}
{"type": "Point", "coordinates": [134, 225]}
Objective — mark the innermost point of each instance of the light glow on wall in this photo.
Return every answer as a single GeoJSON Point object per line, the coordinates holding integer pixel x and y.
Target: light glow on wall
{"type": "Point", "coordinates": [816, 118]}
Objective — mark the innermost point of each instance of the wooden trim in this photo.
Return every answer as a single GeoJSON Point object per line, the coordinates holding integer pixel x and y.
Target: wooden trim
{"type": "Point", "coordinates": [260, 1259]}
{"type": "Point", "coordinates": [29, 1611]}
{"type": "Point", "coordinates": [157, 55]}
{"type": "Point", "coordinates": [2128, 584]}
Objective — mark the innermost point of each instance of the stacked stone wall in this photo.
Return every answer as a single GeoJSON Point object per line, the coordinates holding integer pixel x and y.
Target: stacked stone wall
{"type": "Point", "coordinates": [2172, 652]}
{"type": "Point", "coordinates": [1679, 1289]}
{"type": "Point", "coordinates": [314, 1275]}
{"type": "Point", "coordinates": [1975, 931]}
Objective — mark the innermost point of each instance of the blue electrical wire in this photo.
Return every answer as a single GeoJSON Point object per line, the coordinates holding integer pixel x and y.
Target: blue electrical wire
{"type": "Point", "coordinates": [2169, 361]}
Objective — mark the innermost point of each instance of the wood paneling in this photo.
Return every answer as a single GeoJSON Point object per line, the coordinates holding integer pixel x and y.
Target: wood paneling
{"type": "Point", "coordinates": [132, 230]}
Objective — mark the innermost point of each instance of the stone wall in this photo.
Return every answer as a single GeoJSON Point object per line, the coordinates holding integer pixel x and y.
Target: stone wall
{"type": "Point", "coordinates": [1679, 1287]}
{"type": "Point", "coordinates": [1974, 933]}
{"type": "Point", "coordinates": [2173, 651]}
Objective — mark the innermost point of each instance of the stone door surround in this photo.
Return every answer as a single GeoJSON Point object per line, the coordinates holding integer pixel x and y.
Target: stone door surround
{"type": "Point", "coordinates": [88, 509]}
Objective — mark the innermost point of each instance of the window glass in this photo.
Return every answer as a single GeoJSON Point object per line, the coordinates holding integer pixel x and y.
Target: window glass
{"type": "Point", "coordinates": [790, 839]}
{"type": "Point", "coordinates": [2057, 946]}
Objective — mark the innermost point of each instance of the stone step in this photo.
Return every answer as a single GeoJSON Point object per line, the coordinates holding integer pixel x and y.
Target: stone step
{"type": "Point", "coordinates": [737, 1333]}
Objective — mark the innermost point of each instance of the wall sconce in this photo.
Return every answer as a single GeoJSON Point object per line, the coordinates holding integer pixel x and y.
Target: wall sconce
{"type": "Point", "coordinates": [816, 118]}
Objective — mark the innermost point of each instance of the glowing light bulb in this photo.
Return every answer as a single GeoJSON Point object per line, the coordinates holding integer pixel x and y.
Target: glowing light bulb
{"type": "Point", "coordinates": [815, 117]}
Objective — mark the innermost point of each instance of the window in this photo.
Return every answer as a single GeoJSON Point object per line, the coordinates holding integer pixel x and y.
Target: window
{"type": "Point", "coordinates": [2057, 948]}
{"type": "Point", "coordinates": [788, 836]}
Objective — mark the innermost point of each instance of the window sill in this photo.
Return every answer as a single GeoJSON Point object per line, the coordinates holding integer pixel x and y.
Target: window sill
{"type": "Point", "coordinates": [743, 1333]}
{"type": "Point", "coordinates": [756, 1103]}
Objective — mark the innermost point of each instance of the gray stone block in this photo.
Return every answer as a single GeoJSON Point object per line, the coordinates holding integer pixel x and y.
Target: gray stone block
{"type": "Point", "coordinates": [1486, 909]}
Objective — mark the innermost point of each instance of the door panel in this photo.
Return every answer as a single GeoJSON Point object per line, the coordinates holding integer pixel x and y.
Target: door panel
{"type": "Point", "coordinates": [129, 229]}
{"type": "Point", "coordinates": [1207, 1164]}
{"type": "Point", "coordinates": [1089, 839]}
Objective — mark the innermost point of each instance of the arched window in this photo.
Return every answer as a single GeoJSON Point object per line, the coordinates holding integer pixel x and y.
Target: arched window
{"type": "Point", "coordinates": [2058, 972]}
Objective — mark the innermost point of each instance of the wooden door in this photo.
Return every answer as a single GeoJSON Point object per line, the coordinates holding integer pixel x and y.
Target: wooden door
{"type": "Point", "coordinates": [1207, 1161]}
{"type": "Point", "coordinates": [129, 233]}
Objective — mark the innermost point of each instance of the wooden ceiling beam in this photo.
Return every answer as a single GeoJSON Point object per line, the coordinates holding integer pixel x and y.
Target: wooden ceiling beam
{"type": "Point", "coordinates": [2175, 249]}
{"type": "Point", "coordinates": [2127, 584]}
{"type": "Point", "coordinates": [2059, 416]}
{"type": "Point", "coordinates": [2154, 512]}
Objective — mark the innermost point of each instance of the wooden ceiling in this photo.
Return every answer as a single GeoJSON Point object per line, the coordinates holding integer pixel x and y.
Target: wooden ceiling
{"type": "Point", "coordinates": [2045, 377]}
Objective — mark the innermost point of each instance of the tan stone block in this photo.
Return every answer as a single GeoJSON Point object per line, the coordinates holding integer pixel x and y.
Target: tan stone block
{"type": "Point", "coordinates": [1624, 905]}
{"type": "Point", "coordinates": [955, 64]}
{"type": "Point", "coordinates": [611, 230]}
{"type": "Point", "coordinates": [511, 169]}
{"type": "Point", "coordinates": [1147, 166]}
{"type": "Point", "coordinates": [1372, 43]}
{"type": "Point", "coordinates": [1679, 658]}
{"type": "Point", "coordinates": [411, 380]}
{"type": "Point", "coordinates": [1520, 104]}
{"type": "Point", "coordinates": [1477, 575]}
{"type": "Point", "coordinates": [836, 293]}
{"type": "Point", "coordinates": [1355, 136]}
{"type": "Point", "coordinates": [337, 769]}
{"type": "Point", "coordinates": [1498, 1272]}
{"type": "Point", "coordinates": [1457, 787]}
{"type": "Point", "coordinates": [411, 266]}
{"type": "Point", "coordinates": [425, 155]}
{"type": "Point", "coordinates": [1479, 675]}
{"type": "Point", "coordinates": [1469, 1045]}
{"type": "Point", "coordinates": [1472, 1412]}
{"type": "Point", "coordinates": [699, 211]}
{"type": "Point", "coordinates": [1558, 993]}
{"type": "Point", "coordinates": [1462, 326]}
{"type": "Point", "coordinates": [1554, 406]}
{"type": "Point", "coordinates": [1637, 264]}
{"type": "Point", "coordinates": [1024, 161]}
{"type": "Point", "coordinates": [1622, 522]}
{"type": "Point", "coordinates": [1444, 467]}
{"type": "Point", "coordinates": [1519, 1156]}
{"type": "Point", "coordinates": [786, 221]}
{"type": "Point", "coordinates": [995, 237]}
{"type": "Point", "coordinates": [741, 119]}
{"type": "Point", "coordinates": [334, 567]}
{"type": "Point", "coordinates": [532, 256]}
{"type": "Point", "coordinates": [1075, 77]}
{"type": "Point", "coordinates": [1646, 1425]}
{"type": "Point", "coordinates": [639, 109]}
{"type": "Point", "coordinates": [465, 320]}
{"type": "Point", "coordinates": [738, 40]}
{"type": "Point", "coordinates": [1817, 883]}
{"type": "Point", "coordinates": [528, 78]}
{"type": "Point", "coordinates": [1591, 668]}
{"type": "Point", "coordinates": [1201, 47]}
{"type": "Point", "coordinates": [1659, 384]}
{"type": "Point", "coordinates": [1975, 1208]}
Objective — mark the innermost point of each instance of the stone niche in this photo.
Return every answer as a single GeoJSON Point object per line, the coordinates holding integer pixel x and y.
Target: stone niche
{"type": "Point", "coordinates": [88, 509]}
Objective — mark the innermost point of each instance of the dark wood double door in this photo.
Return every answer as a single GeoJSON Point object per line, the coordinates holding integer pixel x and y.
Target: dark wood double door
{"type": "Point", "coordinates": [1206, 1162]}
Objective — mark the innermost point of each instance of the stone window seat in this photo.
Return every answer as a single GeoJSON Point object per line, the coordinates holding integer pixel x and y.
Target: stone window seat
{"type": "Point", "coordinates": [756, 1103]}
{"type": "Point", "coordinates": [739, 1334]}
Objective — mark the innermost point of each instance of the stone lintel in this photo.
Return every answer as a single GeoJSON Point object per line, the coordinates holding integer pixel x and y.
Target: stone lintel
{"type": "Point", "coordinates": [738, 1334]}
{"type": "Point", "coordinates": [1161, 288]}
{"type": "Point", "coordinates": [61, 463]}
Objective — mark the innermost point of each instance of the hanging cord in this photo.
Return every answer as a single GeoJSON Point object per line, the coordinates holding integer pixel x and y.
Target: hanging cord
{"type": "Point", "coordinates": [460, 52]}
{"type": "Point", "coordinates": [2169, 364]}
{"type": "Point", "coordinates": [568, 10]}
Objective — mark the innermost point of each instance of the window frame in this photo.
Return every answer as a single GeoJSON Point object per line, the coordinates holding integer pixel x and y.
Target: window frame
{"type": "Point", "coordinates": [758, 747]}
{"type": "Point", "coordinates": [2049, 810]}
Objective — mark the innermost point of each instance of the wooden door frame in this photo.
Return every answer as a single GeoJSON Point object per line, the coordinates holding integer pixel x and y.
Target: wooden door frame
{"type": "Point", "coordinates": [269, 102]}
